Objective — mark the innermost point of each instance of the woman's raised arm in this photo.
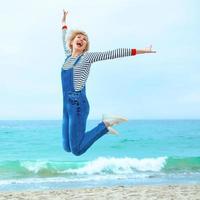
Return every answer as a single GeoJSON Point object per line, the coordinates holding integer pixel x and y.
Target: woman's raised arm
{"type": "Point", "coordinates": [64, 30]}
{"type": "Point", "coordinates": [117, 53]}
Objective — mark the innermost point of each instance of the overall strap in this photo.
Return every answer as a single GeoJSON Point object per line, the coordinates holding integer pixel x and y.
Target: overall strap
{"type": "Point", "coordinates": [79, 57]}
{"type": "Point", "coordinates": [67, 57]}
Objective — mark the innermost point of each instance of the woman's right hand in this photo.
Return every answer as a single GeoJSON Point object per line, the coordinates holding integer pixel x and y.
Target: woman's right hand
{"type": "Point", "coordinates": [64, 16]}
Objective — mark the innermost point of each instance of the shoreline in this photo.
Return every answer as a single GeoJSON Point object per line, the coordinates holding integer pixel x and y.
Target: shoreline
{"type": "Point", "coordinates": [143, 192]}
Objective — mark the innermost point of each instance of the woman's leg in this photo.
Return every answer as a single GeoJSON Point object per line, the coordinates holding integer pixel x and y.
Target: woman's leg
{"type": "Point", "coordinates": [80, 140]}
{"type": "Point", "coordinates": [65, 129]}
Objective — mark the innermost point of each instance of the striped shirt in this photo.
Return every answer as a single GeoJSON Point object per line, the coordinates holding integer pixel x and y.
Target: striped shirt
{"type": "Point", "coordinates": [82, 68]}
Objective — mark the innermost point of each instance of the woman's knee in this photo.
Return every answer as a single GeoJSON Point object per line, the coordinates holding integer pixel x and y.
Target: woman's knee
{"type": "Point", "coordinates": [76, 151]}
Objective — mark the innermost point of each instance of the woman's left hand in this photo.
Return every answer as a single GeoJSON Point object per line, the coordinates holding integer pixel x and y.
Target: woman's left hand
{"type": "Point", "coordinates": [149, 50]}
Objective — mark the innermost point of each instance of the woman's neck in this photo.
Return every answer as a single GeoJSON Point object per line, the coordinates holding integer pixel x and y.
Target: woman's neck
{"type": "Point", "coordinates": [76, 53]}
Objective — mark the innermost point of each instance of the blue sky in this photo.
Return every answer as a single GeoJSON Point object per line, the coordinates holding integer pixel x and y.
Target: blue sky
{"type": "Point", "coordinates": [158, 86]}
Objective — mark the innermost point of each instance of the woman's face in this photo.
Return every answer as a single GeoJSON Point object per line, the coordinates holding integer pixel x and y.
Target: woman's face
{"type": "Point", "coordinates": [79, 43]}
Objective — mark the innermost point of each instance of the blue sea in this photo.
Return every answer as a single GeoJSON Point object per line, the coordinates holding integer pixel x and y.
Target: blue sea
{"type": "Point", "coordinates": [145, 152]}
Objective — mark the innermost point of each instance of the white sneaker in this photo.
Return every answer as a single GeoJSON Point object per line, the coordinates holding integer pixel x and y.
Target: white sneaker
{"type": "Point", "coordinates": [112, 130]}
{"type": "Point", "coordinates": [113, 119]}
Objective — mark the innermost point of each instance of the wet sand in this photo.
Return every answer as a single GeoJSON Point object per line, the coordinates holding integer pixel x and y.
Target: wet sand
{"type": "Point", "coordinates": [150, 192]}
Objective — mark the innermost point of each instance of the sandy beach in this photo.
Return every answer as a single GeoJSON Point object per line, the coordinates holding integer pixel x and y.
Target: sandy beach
{"type": "Point", "coordinates": [169, 192]}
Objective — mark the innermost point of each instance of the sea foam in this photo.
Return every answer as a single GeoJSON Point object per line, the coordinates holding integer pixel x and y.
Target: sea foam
{"type": "Point", "coordinates": [114, 165]}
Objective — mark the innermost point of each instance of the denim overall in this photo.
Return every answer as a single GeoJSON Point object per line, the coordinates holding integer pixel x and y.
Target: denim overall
{"type": "Point", "coordinates": [75, 113]}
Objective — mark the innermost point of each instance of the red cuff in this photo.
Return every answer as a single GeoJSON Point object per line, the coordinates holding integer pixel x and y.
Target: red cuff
{"type": "Point", "coordinates": [64, 27]}
{"type": "Point", "coordinates": [133, 52]}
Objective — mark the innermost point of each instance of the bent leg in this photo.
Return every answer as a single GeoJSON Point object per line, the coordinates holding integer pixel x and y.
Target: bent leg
{"type": "Point", "coordinates": [80, 140]}
{"type": "Point", "coordinates": [91, 136]}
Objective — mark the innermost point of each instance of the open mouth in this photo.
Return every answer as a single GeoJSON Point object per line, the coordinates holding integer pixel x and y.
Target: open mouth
{"type": "Point", "coordinates": [79, 44]}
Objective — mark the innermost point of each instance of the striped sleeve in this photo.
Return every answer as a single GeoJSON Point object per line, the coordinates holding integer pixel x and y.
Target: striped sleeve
{"type": "Point", "coordinates": [117, 53]}
{"type": "Point", "coordinates": [66, 50]}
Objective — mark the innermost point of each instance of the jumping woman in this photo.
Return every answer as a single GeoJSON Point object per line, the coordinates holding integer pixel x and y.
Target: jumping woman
{"type": "Point", "coordinates": [74, 74]}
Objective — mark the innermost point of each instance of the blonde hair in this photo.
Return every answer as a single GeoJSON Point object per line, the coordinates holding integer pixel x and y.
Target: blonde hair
{"type": "Point", "coordinates": [73, 34]}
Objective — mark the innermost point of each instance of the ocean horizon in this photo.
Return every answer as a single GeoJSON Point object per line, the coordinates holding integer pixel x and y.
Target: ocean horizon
{"type": "Point", "coordinates": [145, 152]}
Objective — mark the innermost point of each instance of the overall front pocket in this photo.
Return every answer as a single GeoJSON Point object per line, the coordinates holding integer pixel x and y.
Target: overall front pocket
{"type": "Point", "coordinates": [74, 98]}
